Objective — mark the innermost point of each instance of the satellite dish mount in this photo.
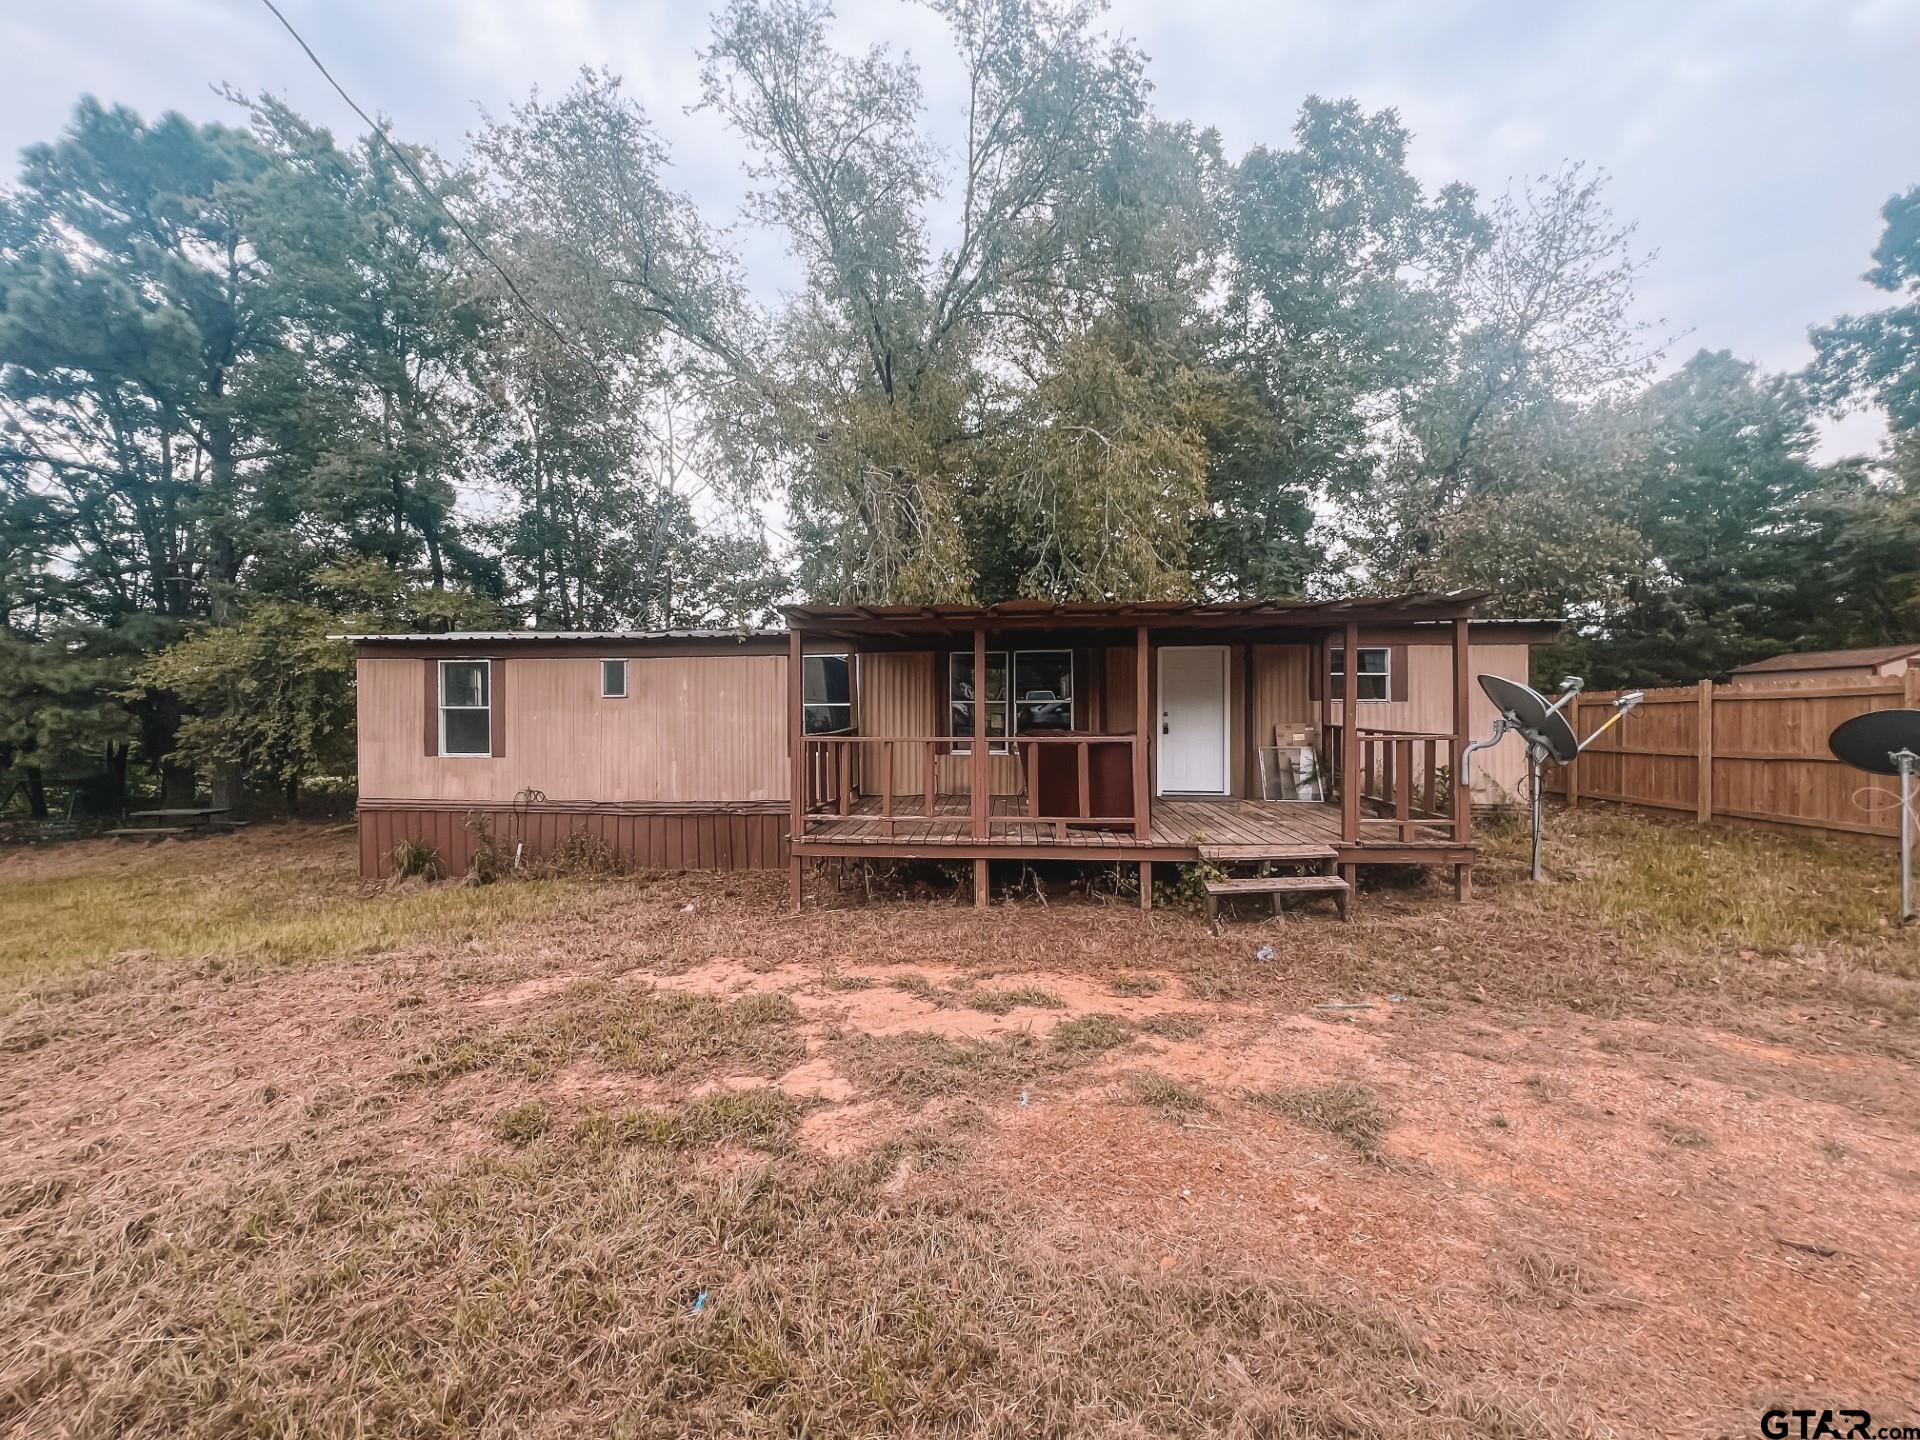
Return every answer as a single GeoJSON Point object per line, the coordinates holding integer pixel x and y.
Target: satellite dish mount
{"type": "Point", "coordinates": [1887, 742]}
{"type": "Point", "coordinates": [1527, 713]}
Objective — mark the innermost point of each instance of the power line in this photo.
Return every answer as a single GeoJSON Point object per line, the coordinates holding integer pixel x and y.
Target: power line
{"type": "Point", "coordinates": [426, 189]}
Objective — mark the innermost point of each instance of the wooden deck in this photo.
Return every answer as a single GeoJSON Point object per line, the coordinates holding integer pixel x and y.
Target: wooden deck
{"type": "Point", "coordinates": [1181, 829]}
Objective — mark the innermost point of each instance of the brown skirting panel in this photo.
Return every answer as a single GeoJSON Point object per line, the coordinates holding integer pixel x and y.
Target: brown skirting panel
{"type": "Point", "coordinates": [678, 837]}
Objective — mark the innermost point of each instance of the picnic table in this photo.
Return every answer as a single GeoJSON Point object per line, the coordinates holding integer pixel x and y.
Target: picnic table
{"type": "Point", "coordinates": [189, 819]}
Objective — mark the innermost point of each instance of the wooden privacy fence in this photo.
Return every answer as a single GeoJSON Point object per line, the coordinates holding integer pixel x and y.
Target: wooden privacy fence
{"type": "Point", "coordinates": [1753, 754]}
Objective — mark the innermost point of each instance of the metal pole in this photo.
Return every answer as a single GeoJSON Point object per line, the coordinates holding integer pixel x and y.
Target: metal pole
{"type": "Point", "coordinates": [1906, 837]}
{"type": "Point", "coordinates": [1533, 766]}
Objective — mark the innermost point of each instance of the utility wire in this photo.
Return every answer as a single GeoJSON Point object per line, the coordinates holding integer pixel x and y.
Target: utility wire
{"type": "Point", "coordinates": [426, 189]}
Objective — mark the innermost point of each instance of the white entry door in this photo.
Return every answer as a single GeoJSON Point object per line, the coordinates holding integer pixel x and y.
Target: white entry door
{"type": "Point", "coordinates": [1193, 720]}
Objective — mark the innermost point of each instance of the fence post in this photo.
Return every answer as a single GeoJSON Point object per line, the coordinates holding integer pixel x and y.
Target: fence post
{"type": "Point", "coordinates": [1910, 687]}
{"type": "Point", "coordinates": [1704, 802]}
{"type": "Point", "coordinates": [1572, 772]}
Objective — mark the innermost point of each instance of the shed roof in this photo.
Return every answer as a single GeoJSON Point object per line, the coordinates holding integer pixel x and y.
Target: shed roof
{"type": "Point", "coordinates": [1409, 607]}
{"type": "Point", "coordinates": [489, 637]}
{"type": "Point", "coordinates": [1829, 659]}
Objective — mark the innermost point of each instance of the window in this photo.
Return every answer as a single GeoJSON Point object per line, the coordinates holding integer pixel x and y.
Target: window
{"type": "Point", "coordinates": [466, 707]}
{"type": "Point", "coordinates": [961, 698]}
{"type": "Point", "coordinates": [1042, 690]}
{"type": "Point", "coordinates": [1042, 698]}
{"type": "Point", "coordinates": [826, 694]}
{"type": "Point", "coordinates": [613, 679]}
{"type": "Point", "coordinates": [1375, 678]}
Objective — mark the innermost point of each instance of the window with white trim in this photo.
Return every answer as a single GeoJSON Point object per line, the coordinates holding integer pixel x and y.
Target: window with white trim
{"type": "Point", "coordinates": [961, 699]}
{"type": "Point", "coordinates": [466, 707]}
{"type": "Point", "coordinates": [1375, 677]}
{"type": "Point", "coordinates": [613, 679]}
{"type": "Point", "coordinates": [826, 694]}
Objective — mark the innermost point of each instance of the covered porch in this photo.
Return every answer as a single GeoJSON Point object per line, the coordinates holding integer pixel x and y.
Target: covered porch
{"type": "Point", "coordinates": [1132, 733]}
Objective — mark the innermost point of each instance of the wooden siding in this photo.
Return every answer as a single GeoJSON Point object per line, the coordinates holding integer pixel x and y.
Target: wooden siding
{"type": "Point", "coordinates": [693, 729]}
{"type": "Point", "coordinates": [740, 839]}
{"type": "Point", "coordinates": [1749, 754]}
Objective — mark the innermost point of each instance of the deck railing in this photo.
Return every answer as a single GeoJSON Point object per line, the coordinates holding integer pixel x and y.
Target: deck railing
{"type": "Point", "coordinates": [1405, 776]}
{"type": "Point", "coordinates": [854, 779]}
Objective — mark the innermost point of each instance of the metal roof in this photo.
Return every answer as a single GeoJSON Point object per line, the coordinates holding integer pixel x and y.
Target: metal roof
{"type": "Point", "coordinates": [1408, 606]}
{"type": "Point", "coordinates": [1829, 659]}
{"type": "Point", "coordinates": [490, 637]}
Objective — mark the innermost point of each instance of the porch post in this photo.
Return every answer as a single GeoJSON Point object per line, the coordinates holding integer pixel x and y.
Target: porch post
{"type": "Point", "coordinates": [797, 767]}
{"type": "Point", "coordinates": [1462, 789]}
{"type": "Point", "coordinates": [979, 763]}
{"type": "Point", "coordinates": [1350, 740]}
{"type": "Point", "coordinates": [1142, 738]}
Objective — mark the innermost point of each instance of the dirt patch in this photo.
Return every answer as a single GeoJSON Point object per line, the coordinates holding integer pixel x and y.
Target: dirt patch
{"type": "Point", "coordinates": [535, 1174]}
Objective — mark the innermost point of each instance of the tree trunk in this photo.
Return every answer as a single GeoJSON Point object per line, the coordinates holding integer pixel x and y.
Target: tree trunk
{"type": "Point", "coordinates": [177, 784]}
{"type": "Point", "coordinates": [36, 792]}
{"type": "Point", "coordinates": [114, 764]}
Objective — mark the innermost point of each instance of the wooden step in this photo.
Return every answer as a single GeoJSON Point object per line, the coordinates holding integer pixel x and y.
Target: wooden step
{"type": "Point", "coordinates": [1278, 854]}
{"type": "Point", "coordinates": [148, 832]}
{"type": "Point", "coordinates": [1279, 885]}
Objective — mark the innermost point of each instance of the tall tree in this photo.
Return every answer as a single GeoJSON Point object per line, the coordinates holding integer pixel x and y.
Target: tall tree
{"type": "Point", "coordinates": [890, 359]}
{"type": "Point", "coordinates": [1344, 292]}
{"type": "Point", "coordinates": [1875, 358]}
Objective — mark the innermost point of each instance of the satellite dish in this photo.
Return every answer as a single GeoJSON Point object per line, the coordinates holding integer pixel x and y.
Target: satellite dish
{"type": "Point", "coordinates": [1536, 718]}
{"type": "Point", "coordinates": [1886, 742]}
{"type": "Point", "coordinates": [1871, 742]}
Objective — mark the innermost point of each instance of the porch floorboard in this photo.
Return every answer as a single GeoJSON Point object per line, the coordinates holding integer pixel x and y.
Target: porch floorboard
{"type": "Point", "coordinates": [1223, 828]}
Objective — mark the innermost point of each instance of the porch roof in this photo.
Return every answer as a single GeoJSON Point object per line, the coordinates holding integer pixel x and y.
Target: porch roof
{"type": "Point", "coordinates": [899, 621]}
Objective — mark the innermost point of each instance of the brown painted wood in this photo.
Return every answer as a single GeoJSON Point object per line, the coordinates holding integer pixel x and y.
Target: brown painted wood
{"type": "Point", "coordinates": [432, 693]}
{"type": "Point", "coordinates": [497, 705]}
{"type": "Point", "coordinates": [1462, 719]}
{"type": "Point", "coordinates": [979, 762]}
{"type": "Point", "coordinates": [1572, 776]}
{"type": "Point", "coordinates": [1145, 726]}
{"type": "Point", "coordinates": [886, 786]}
{"type": "Point", "coordinates": [1703, 800]}
{"type": "Point", "coordinates": [797, 752]}
{"type": "Point", "coordinates": [1350, 777]}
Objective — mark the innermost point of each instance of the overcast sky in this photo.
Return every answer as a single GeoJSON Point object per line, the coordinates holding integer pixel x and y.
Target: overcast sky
{"type": "Point", "coordinates": [1753, 140]}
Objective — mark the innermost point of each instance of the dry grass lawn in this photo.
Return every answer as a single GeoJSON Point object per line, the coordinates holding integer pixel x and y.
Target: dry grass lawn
{"type": "Point", "coordinates": [1633, 1152]}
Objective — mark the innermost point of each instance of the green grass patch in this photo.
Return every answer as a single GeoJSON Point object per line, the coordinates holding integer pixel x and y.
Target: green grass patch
{"type": "Point", "coordinates": [653, 1032]}
{"type": "Point", "coordinates": [761, 1117]}
{"type": "Point", "coordinates": [1676, 881]}
{"type": "Point", "coordinates": [1172, 1098]}
{"type": "Point", "coordinates": [521, 1124]}
{"type": "Point", "coordinates": [280, 895]}
{"type": "Point", "coordinates": [1091, 1033]}
{"type": "Point", "coordinates": [1347, 1110]}
{"type": "Point", "coordinates": [1000, 1002]}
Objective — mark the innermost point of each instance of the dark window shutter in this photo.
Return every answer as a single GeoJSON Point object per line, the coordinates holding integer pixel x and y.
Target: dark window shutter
{"type": "Point", "coordinates": [1397, 677]}
{"type": "Point", "coordinates": [433, 706]}
{"type": "Point", "coordinates": [497, 704]}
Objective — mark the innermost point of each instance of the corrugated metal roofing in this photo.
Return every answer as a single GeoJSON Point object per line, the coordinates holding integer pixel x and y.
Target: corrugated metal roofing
{"type": "Point", "coordinates": [1084, 610]}
{"type": "Point", "coordinates": [1829, 659]}
{"type": "Point", "coordinates": [469, 637]}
